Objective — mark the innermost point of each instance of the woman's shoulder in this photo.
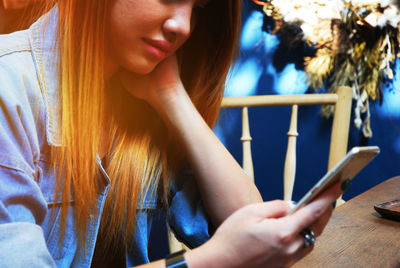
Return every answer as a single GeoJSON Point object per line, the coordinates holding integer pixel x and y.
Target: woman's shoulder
{"type": "Point", "coordinates": [29, 74]}
{"type": "Point", "coordinates": [14, 42]}
{"type": "Point", "coordinates": [22, 101]}
{"type": "Point", "coordinates": [16, 62]}
{"type": "Point", "coordinates": [18, 72]}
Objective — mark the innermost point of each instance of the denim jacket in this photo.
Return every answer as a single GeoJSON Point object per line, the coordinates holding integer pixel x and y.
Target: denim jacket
{"type": "Point", "coordinates": [29, 237]}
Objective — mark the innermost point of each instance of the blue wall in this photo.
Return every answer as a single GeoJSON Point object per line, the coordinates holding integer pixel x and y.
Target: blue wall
{"type": "Point", "coordinates": [265, 67]}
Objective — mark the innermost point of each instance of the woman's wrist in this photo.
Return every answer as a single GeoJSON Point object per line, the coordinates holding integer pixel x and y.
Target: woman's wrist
{"type": "Point", "coordinates": [166, 99]}
{"type": "Point", "coordinates": [196, 258]}
{"type": "Point", "coordinates": [208, 255]}
{"type": "Point", "coordinates": [171, 104]}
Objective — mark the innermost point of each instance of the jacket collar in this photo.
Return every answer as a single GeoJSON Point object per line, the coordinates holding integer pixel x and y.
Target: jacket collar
{"type": "Point", "coordinates": [43, 41]}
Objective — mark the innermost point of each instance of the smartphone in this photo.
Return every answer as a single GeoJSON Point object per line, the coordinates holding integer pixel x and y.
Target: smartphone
{"type": "Point", "coordinates": [354, 161]}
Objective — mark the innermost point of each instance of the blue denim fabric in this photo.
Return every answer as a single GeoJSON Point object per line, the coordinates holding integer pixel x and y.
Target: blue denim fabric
{"type": "Point", "coordinates": [29, 236]}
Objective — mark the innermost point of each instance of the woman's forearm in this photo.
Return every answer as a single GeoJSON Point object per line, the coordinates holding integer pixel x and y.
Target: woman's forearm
{"type": "Point", "coordinates": [223, 184]}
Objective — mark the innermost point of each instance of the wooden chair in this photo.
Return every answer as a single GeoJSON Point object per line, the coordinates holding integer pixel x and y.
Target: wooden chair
{"type": "Point", "coordinates": [339, 136]}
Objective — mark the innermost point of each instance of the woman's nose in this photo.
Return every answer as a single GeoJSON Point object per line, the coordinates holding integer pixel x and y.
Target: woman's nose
{"type": "Point", "coordinates": [178, 25]}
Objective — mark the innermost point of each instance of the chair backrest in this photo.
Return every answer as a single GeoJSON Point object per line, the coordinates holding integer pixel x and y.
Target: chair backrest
{"type": "Point", "coordinates": [342, 101]}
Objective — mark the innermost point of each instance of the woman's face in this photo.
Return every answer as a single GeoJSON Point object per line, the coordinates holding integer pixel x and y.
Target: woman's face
{"type": "Point", "coordinates": [141, 33]}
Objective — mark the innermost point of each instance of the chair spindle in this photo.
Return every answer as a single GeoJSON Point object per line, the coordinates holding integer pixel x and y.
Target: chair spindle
{"type": "Point", "coordinates": [290, 161]}
{"type": "Point", "coordinates": [246, 144]}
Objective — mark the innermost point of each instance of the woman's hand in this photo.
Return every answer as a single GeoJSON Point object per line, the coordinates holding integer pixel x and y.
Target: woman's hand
{"type": "Point", "coordinates": [163, 82]}
{"type": "Point", "coordinates": [261, 235]}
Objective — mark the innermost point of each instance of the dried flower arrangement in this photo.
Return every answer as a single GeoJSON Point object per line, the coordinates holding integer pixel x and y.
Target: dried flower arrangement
{"type": "Point", "coordinates": [356, 43]}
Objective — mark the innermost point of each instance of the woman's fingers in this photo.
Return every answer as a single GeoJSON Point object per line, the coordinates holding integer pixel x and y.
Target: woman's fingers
{"type": "Point", "coordinates": [165, 77]}
{"type": "Point", "coordinates": [306, 216]}
{"type": "Point", "coordinates": [319, 225]}
{"type": "Point", "coordinates": [272, 209]}
{"type": "Point", "coordinates": [301, 251]}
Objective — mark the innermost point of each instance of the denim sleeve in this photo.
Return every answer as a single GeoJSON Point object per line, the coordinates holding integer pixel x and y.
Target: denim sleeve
{"type": "Point", "coordinates": [22, 205]}
{"type": "Point", "coordinates": [186, 215]}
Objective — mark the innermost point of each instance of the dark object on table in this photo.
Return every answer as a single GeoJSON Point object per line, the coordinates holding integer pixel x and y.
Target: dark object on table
{"type": "Point", "coordinates": [390, 209]}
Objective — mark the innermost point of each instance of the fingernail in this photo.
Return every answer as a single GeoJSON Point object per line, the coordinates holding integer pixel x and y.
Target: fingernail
{"type": "Point", "coordinates": [334, 204]}
{"type": "Point", "coordinates": [346, 184]}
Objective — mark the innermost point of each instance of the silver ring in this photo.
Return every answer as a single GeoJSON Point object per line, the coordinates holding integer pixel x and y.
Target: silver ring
{"type": "Point", "coordinates": [308, 237]}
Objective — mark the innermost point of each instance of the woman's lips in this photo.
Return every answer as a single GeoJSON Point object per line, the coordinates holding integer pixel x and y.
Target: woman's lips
{"type": "Point", "coordinates": [158, 48]}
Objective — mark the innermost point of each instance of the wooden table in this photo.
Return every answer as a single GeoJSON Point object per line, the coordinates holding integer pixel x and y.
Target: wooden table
{"type": "Point", "coordinates": [357, 236]}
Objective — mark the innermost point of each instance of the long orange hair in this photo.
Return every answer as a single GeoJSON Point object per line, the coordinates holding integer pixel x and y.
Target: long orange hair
{"type": "Point", "coordinates": [140, 156]}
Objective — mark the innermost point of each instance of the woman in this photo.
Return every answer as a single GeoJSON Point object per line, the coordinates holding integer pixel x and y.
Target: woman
{"type": "Point", "coordinates": [104, 106]}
